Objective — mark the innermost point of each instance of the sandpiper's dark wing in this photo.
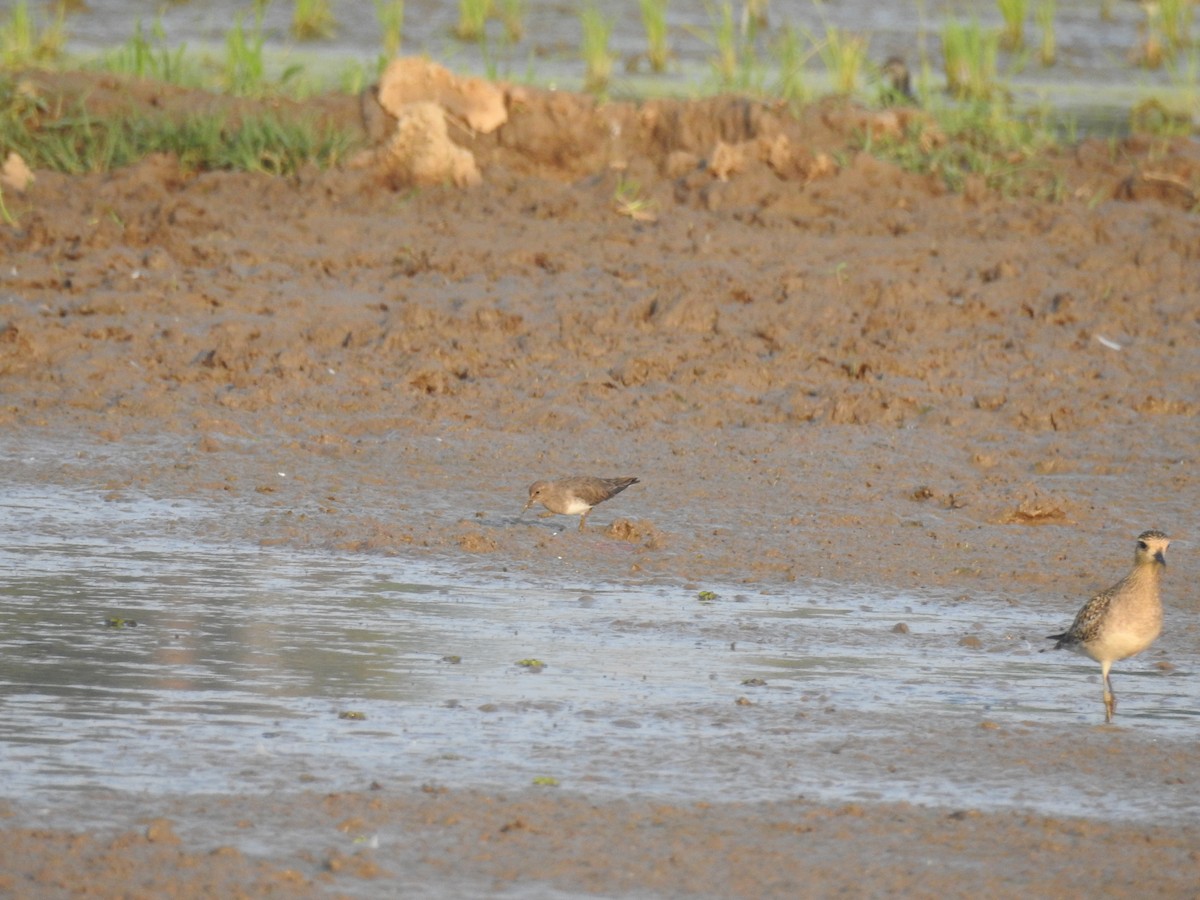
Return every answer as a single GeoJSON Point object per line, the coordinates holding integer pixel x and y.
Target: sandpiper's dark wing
{"type": "Point", "coordinates": [593, 490]}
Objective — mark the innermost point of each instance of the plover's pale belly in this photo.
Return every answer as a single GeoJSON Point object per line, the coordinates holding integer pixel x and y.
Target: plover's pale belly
{"type": "Point", "coordinates": [1121, 644]}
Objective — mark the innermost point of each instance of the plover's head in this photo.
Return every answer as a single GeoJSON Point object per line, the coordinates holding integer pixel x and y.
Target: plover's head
{"type": "Point", "coordinates": [1151, 547]}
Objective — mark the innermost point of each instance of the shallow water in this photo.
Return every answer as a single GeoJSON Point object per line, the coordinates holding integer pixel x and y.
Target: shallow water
{"type": "Point", "coordinates": [1094, 68]}
{"type": "Point", "coordinates": [242, 659]}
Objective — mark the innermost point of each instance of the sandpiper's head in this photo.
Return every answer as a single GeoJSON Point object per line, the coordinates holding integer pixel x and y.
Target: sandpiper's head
{"type": "Point", "coordinates": [535, 493]}
{"type": "Point", "coordinates": [1151, 548]}
{"type": "Point", "coordinates": [896, 78]}
{"type": "Point", "coordinates": [896, 70]}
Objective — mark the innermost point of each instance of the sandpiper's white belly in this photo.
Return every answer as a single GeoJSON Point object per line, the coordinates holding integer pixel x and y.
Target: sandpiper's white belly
{"type": "Point", "coordinates": [576, 507]}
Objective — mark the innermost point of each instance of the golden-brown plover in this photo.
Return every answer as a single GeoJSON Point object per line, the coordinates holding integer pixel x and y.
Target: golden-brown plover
{"type": "Point", "coordinates": [575, 496]}
{"type": "Point", "coordinates": [1124, 620]}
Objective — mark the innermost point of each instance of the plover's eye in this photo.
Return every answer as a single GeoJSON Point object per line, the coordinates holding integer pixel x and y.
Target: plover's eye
{"type": "Point", "coordinates": [1142, 544]}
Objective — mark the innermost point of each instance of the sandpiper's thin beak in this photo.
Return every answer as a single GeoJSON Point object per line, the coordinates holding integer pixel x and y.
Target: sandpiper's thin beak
{"type": "Point", "coordinates": [525, 507]}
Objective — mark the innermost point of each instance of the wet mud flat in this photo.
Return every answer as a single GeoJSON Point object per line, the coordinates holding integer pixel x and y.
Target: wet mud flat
{"type": "Point", "coordinates": [389, 724]}
{"type": "Point", "coordinates": [244, 408]}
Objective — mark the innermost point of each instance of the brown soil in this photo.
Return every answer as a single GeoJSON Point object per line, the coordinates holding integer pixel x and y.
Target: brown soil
{"type": "Point", "coordinates": [468, 844]}
{"type": "Point", "coordinates": [819, 365]}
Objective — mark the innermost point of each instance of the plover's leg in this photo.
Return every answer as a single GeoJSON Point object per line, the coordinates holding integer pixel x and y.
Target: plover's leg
{"type": "Point", "coordinates": [1110, 699]}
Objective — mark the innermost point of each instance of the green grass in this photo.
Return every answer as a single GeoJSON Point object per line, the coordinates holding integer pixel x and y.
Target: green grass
{"type": "Point", "coordinates": [970, 58]}
{"type": "Point", "coordinates": [390, 14]}
{"type": "Point", "coordinates": [1013, 12]}
{"type": "Point", "coordinates": [26, 41]}
{"type": "Point", "coordinates": [5, 216]}
{"type": "Point", "coordinates": [267, 144]}
{"type": "Point", "coordinates": [844, 55]}
{"type": "Point", "coordinates": [1167, 33]}
{"type": "Point", "coordinates": [1156, 118]}
{"type": "Point", "coordinates": [244, 72]}
{"type": "Point", "coordinates": [630, 201]}
{"type": "Point", "coordinates": [1044, 15]}
{"type": "Point", "coordinates": [313, 20]}
{"type": "Point", "coordinates": [1184, 71]}
{"type": "Point", "coordinates": [147, 56]}
{"type": "Point", "coordinates": [1152, 50]}
{"type": "Point", "coordinates": [49, 134]}
{"type": "Point", "coordinates": [597, 58]}
{"type": "Point", "coordinates": [727, 43]}
{"type": "Point", "coordinates": [1175, 18]}
{"type": "Point", "coordinates": [789, 50]}
{"type": "Point", "coordinates": [734, 61]}
{"type": "Point", "coordinates": [472, 19]}
{"type": "Point", "coordinates": [978, 138]}
{"type": "Point", "coordinates": [754, 16]}
{"type": "Point", "coordinates": [512, 16]}
{"type": "Point", "coordinates": [654, 23]}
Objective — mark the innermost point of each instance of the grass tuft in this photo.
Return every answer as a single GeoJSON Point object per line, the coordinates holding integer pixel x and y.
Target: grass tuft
{"type": "Point", "coordinates": [844, 55]}
{"type": "Point", "coordinates": [654, 22]}
{"type": "Point", "coordinates": [792, 56]}
{"type": "Point", "coordinates": [25, 41]}
{"type": "Point", "coordinates": [977, 139]}
{"type": "Point", "coordinates": [147, 56]}
{"type": "Point", "coordinates": [68, 138]}
{"type": "Point", "coordinates": [1044, 14]}
{"type": "Point", "coordinates": [390, 14]}
{"type": "Point", "coordinates": [597, 58]}
{"type": "Point", "coordinates": [1013, 12]}
{"type": "Point", "coordinates": [734, 62]}
{"type": "Point", "coordinates": [1166, 32]}
{"type": "Point", "coordinates": [630, 202]}
{"type": "Point", "coordinates": [728, 42]}
{"type": "Point", "coordinates": [512, 16]}
{"type": "Point", "coordinates": [313, 20]}
{"type": "Point", "coordinates": [1175, 17]}
{"type": "Point", "coordinates": [472, 20]}
{"type": "Point", "coordinates": [244, 72]}
{"type": "Point", "coordinates": [969, 53]}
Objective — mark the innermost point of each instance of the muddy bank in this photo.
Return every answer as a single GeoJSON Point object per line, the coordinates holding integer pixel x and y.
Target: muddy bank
{"type": "Point", "coordinates": [475, 844]}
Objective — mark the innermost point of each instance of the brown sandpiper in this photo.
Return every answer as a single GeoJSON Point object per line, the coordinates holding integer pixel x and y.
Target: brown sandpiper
{"type": "Point", "coordinates": [897, 82]}
{"type": "Point", "coordinates": [1125, 619]}
{"type": "Point", "coordinates": [576, 495]}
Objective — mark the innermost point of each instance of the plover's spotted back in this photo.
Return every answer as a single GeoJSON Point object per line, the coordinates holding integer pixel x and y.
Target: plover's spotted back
{"type": "Point", "coordinates": [575, 496]}
{"type": "Point", "coordinates": [1125, 619]}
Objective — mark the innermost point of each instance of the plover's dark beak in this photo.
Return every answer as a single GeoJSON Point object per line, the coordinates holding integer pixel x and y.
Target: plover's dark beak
{"type": "Point", "coordinates": [1160, 559]}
